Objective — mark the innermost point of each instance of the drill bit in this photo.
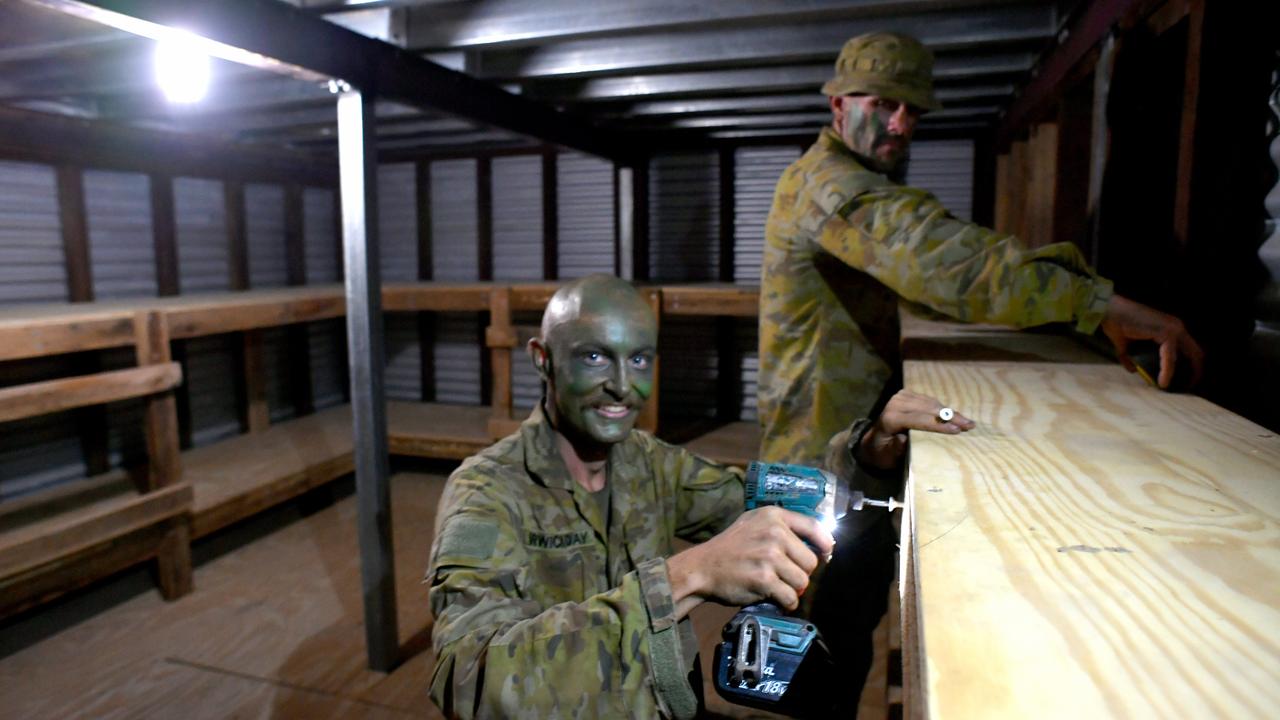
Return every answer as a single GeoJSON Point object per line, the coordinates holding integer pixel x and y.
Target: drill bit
{"type": "Point", "coordinates": [860, 501]}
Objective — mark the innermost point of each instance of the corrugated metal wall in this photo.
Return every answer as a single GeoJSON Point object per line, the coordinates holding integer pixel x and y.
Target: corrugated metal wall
{"type": "Point", "coordinates": [320, 237]}
{"type": "Point", "coordinates": [121, 246]}
{"type": "Point", "coordinates": [454, 225]}
{"type": "Point", "coordinates": [584, 195]}
{"type": "Point", "coordinates": [403, 378]}
{"type": "Point", "coordinates": [32, 263]}
{"type": "Point", "coordinates": [264, 226]}
{"type": "Point", "coordinates": [757, 173]}
{"type": "Point", "coordinates": [211, 382]}
{"type": "Point", "coordinates": [328, 353]}
{"type": "Point", "coordinates": [398, 222]}
{"type": "Point", "coordinates": [455, 257]}
{"type": "Point", "coordinates": [944, 168]}
{"type": "Point", "coordinates": [684, 217]}
{"type": "Point", "coordinates": [41, 451]}
{"type": "Point", "coordinates": [200, 216]}
{"type": "Point", "coordinates": [517, 218]}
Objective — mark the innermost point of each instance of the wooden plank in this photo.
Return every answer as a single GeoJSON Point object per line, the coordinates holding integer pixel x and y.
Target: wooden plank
{"type": "Point", "coordinates": [71, 532]}
{"type": "Point", "coordinates": [213, 315]}
{"type": "Point", "coordinates": [34, 336]}
{"type": "Point", "coordinates": [1111, 548]}
{"type": "Point", "coordinates": [42, 398]}
{"type": "Point", "coordinates": [437, 430]}
{"type": "Point", "coordinates": [533, 297]}
{"type": "Point", "coordinates": [730, 300]}
{"type": "Point", "coordinates": [246, 474]}
{"type": "Point", "coordinates": [435, 296]}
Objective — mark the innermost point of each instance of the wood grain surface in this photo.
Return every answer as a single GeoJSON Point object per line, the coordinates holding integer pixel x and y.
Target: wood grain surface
{"type": "Point", "coordinates": [1094, 548]}
{"type": "Point", "coordinates": [32, 399]}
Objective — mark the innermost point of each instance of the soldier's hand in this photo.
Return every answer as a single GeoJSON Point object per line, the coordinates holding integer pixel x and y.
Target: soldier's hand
{"type": "Point", "coordinates": [761, 556]}
{"type": "Point", "coordinates": [885, 442]}
{"type": "Point", "coordinates": [1127, 320]}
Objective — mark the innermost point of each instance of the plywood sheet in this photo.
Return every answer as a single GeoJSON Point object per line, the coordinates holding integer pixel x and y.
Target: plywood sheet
{"type": "Point", "coordinates": [1094, 548]}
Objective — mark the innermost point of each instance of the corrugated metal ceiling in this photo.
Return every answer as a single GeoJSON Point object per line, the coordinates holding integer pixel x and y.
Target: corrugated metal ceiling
{"type": "Point", "coordinates": [676, 73]}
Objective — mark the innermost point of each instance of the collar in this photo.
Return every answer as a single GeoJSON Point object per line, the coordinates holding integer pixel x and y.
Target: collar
{"type": "Point", "coordinates": [542, 457]}
{"type": "Point", "coordinates": [831, 141]}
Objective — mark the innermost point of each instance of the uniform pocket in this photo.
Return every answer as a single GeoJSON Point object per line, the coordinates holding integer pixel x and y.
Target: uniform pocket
{"type": "Point", "coordinates": [557, 576]}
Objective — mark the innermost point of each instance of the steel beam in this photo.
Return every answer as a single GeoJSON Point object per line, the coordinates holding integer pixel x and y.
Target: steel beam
{"type": "Point", "coordinates": [292, 41]}
{"type": "Point", "coordinates": [686, 49]}
{"type": "Point", "coordinates": [949, 70]}
{"type": "Point", "coordinates": [358, 170]}
{"type": "Point", "coordinates": [513, 23]}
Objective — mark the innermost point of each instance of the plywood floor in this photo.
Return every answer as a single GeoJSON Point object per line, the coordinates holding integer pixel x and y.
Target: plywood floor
{"type": "Point", "coordinates": [273, 630]}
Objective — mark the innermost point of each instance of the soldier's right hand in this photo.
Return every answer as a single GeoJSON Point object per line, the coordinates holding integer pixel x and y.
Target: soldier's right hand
{"type": "Point", "coordinates": [761, 556]}
{"type": "Point", "coordinates": [1127, 320]}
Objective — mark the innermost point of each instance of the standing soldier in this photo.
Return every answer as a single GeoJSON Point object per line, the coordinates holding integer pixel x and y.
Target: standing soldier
{"type": "Point", "coordinates": [845, 242]}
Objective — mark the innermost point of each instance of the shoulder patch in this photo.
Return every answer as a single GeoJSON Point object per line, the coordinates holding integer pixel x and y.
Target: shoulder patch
{"type": "Point", "coordinates": [466, 537]}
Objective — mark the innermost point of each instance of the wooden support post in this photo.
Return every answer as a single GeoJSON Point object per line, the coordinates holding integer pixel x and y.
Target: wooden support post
{"type": "Point", "coordinates": [1187, 129]}
{"type": "Point", "coordinates": [648, 420]}
{"type": "Point", "coordinates": [255, 412]}
{"type": "Point", "coordinates": [90, 422]}
{"type": "Point", "coordinates": [164, 461]}
{"type": "Point", "coordinates": [164, 233]}
{"type": "Point", "coordinates": [500, 337]}
{"type": "Point", "coordinates": [640, 222]}
{"type": "Point", "coordinates": [550, 216]}
{"type": "Point", "coordinates": [728, 372]}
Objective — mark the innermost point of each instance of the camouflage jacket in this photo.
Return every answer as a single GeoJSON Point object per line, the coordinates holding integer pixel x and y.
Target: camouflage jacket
{"type": "Point", "coordinates": [541, 611]}
{"type": "Point", "coordinates": [842, 245]}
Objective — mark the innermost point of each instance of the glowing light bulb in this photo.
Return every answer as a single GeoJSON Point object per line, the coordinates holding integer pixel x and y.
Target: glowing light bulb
{"type": "Point", "coordinates": [182, 69]}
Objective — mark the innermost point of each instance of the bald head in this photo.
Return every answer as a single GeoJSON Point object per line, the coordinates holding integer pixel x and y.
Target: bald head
{"type": "Point", "coordinates": [596, 352]}
{"type": "Point", "coordinates": [592, 297]}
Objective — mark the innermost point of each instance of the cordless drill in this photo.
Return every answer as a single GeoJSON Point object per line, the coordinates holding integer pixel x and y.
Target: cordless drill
{"type": "Point", "coordinates": [765, 659]}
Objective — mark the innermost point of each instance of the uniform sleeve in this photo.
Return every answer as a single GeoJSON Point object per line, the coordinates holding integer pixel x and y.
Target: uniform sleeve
{"type": "Point", "coordinates": [709, 496]}
{"type": "Point", "coordinates": [906, 239]}
{"type": "Point", "coordinates": [499, 654]}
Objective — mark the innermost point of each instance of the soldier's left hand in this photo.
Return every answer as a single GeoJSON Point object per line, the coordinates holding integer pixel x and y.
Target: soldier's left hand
{"type": "Point", "coordinates": [884, 444]}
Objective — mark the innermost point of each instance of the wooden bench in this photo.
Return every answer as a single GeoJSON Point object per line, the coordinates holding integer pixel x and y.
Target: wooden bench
{"type": "Point", "coordinates": [243, 475]}
{"type": "Point", "coordinates": [70, 535]}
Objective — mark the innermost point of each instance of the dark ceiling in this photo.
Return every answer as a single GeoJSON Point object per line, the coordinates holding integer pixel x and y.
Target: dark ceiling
{"type": "Point", "coordinates": [672, 72]}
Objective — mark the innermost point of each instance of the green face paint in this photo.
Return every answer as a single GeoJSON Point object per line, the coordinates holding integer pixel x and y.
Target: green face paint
{"type": "Point", "coordinates": [601, 365]}
{"type": "Point", "coordinates": [866, 132]}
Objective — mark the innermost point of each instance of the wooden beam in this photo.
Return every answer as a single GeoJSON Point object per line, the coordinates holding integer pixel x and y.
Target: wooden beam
{"type": "Point", "coordinates": [1187, 127]}
{"type": "Point", "coordinates": [75, 233]}
{"type": "Point", "coordinates": [730, 300]}
{"type": "Point", "coordinates": [237, 235]}
{"type": "Point", "coordinates": [727, 172]}
{"type": "Point", "coordinates": [438, 296]}
{"type": "Point", "coordinates": [39, 337]}
{"type": "Point", "coordinates": [69, 533]}
{"type": "Point", "coordinates": [160, 420]}
{"type": "Point", "coordinates": [550, 216]}
{"type": "Point", "coordinates": [42, 398]}
{"type": "Point", "coordinates": [1088, 29]}
{"type": "Point", "coordinates": [640, 217]}
{"type": "Point", "coordinates": [58, 139]}
{"type": "Point", "coordinates": [165, 234]}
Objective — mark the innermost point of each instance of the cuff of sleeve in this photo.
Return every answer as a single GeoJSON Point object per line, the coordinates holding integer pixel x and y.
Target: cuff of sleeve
{"type": "Point", "coordinates": [667, 664]}
{"type": "Point", "coordinates": [1091, 303]}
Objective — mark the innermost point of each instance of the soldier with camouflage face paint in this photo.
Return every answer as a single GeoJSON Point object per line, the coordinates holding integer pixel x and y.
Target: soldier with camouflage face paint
{"type": "Point", "coordinates": [844, 243]}
{"type": "Point", "coordinates": [553, 578]}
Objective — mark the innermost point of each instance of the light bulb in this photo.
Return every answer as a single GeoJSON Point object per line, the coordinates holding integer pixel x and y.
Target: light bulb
{"type": "Point", "coordinates": [182, 69]}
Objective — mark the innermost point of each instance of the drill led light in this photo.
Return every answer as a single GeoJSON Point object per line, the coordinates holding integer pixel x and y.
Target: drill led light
{"type": "Point", "coordinates": [828, 522]}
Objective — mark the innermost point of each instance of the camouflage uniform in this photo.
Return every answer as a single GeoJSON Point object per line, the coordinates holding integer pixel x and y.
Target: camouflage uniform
{"type": "Point", "coordinates": [842, 245]}
{"type": "Point", "coordinates": [543, 607]}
